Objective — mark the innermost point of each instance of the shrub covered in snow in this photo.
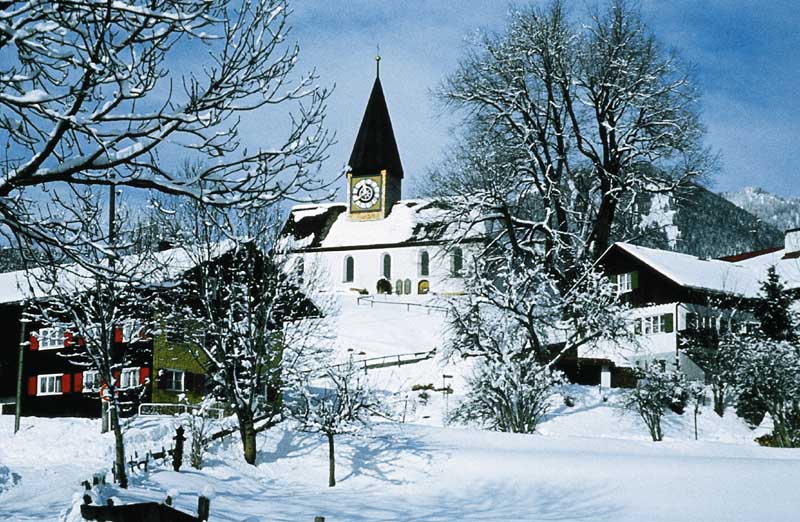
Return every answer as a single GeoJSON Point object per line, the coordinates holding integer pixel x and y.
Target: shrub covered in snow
{"type": "Point", "coordinates": [657, 389]}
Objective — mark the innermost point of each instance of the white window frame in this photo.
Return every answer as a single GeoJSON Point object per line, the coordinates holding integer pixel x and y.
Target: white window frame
{"type": "Point", "coordinates": [625, 283]}
{"type": "Point", "coordinates": [172, 380]}
{"type": "Point", "coordinates": [95, 378]}
{"type": "Point", "coordinates": [56, 388]}
{"type": "Point", "coordinates": [50, 338]}
{"type": "Point", "coordinates": [654, 324]}
{"type": "Point", "coordinates": [124, 378]}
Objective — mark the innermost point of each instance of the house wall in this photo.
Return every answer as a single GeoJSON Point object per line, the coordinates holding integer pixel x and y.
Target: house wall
{"type": "Point", "coordinates": [75, 402]}
{"type": "Point", "coordinates": [368, 267]}
{"type": "Point", "coordinates": [654, 288]}
{"type": "Point", "coordinates": [167, 355]}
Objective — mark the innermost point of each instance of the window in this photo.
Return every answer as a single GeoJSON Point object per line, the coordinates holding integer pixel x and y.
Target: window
{"type": "Point", "coordinates": [692, 322]}
{"type": "Point", "coordinates": [656, 324]}
{"type": "Point", "coordinates": [349, 269]}
{"type": "Point", "coordinates": [456, 261]}
{"type": "Point", "coordinates": [625, 283]}
{"type": "Point", "coordinates": [49, 384]}
{"type": "Point", "coordinates": [407, 286]}
{"type": "Point", "coordinates": [174, 380]}
{"type": "Point", "coordinates": [91, 381]}
{"type": "Point", "coordinates": [398, 287]}
{"type": "Point", "coordinates": [51, 338]}
{"type": "Point", "coordinates": [386, 265]}
{"type": "Point", "coordinates": [129, 378]}
{"type": "Point", "coordinates": [424, 263]}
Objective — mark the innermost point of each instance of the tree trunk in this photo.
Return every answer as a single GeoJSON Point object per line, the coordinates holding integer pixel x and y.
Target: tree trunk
{"type": "Point", "coordinates": [331, 462]}
{"type": "Point", "coordinates": [122, 476]}
{"type": "Point", "coordinates": [718, 394]}
{"type": "Point", "coordinates": [247, 429]}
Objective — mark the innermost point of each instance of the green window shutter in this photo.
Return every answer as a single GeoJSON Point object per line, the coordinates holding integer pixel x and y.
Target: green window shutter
{"type": "Point", "coordinates": [668, 323]}
{"type": "Point", "coordinates": [635, 279]}
{"type": "Point", "coordinates": [637, 327]}
{"type": "Point", "coordinates": [613, 279]}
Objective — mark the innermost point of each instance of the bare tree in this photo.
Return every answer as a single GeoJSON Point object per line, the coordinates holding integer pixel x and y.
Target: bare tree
{"type": "Point", "coordinates": [342, 403]}
{"type": "Point", "coordinates": [99, 93]}
{"type": "Point", "coordinates": [106, 314]}
{"type": "Point", "coordinates": [246, 312]}
{"type": "Point", "coordinates": [566, 124]}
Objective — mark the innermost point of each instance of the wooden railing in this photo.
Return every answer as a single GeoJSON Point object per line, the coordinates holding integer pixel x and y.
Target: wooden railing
{"type": "Point", "coordinates": [369, 299]}
{"type": "Point", "coordinates": [385, 361]}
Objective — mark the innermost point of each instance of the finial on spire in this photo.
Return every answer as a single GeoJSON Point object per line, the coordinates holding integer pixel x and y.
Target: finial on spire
{"type": "Point", "coordinates": [378, 61]}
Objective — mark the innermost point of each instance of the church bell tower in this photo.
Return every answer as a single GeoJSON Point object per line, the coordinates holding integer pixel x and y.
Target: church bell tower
{"type": "Point", "coordinates": [374, 174]}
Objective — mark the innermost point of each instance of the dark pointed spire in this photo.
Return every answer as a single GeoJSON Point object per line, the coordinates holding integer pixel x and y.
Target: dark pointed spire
{"type": "Point", "coordinates": [375, 148]}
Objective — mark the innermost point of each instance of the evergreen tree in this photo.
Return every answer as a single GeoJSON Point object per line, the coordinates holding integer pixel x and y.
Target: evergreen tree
{"type": "Point", "coordinates": [773, 310]}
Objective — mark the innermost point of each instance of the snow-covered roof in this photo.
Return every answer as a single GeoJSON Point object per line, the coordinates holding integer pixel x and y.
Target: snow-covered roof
{"type": "Point", "coordinates": [328, 226]}
{"type": "Point", "coordinates": [787, 265]}
{"type": "Point", "coordinates": [160, 266]}
{"type": "Point", "coordinates": [704, 274]}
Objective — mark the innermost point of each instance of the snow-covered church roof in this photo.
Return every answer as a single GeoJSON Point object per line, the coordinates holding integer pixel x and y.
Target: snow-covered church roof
{"type": "Point", "coordinates": [410, 222]}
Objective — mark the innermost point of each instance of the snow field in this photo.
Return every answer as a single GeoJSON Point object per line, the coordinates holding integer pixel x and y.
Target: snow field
{"type": "Point", "coordinates": [590, 462]}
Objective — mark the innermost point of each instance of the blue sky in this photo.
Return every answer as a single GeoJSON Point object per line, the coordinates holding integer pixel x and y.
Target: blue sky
{"type": "Point", "coordinates": [745, 51]}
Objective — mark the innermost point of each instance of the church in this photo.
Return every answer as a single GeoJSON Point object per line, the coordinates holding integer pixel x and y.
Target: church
{"type": "Point", "coordinates": [376, 242]}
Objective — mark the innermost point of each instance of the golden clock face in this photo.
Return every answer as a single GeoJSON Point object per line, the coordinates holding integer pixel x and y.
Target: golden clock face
{"type": "Point", "coordinates": [365, 194]}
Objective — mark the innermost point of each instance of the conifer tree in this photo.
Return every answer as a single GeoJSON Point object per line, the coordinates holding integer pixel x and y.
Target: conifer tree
{"type": "Point", "coordinates": [773, 310]}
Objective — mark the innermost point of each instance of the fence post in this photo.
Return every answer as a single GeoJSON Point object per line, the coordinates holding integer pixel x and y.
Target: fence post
{"type": "Point", "coordinates": [203, 507]}
{"type": "Point", "coordinates": [177, 454]}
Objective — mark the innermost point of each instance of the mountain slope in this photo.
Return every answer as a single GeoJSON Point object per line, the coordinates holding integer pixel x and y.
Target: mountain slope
{"type": "Point", "coordinates": [699, 222]}
{"type": "Point", "coordinates": [782, 213]}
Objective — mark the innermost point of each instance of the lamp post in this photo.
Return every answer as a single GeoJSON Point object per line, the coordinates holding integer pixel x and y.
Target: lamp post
{"type": "Point", "coordinates": [23, 323]}
{"type": "Point", "coordinates": [446, 393]}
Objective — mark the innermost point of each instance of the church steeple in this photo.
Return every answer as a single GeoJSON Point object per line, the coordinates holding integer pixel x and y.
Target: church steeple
{"type": "Point", "coordinates": [375, 172]}
{"type": "Point", "coordinates": [375, 148]}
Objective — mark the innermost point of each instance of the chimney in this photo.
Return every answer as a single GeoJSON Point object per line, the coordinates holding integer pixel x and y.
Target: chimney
{"type": "Point", "coordinates": [792, 241]}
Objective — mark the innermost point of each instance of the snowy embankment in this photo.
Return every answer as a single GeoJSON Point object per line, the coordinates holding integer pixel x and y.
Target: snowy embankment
{"type": "Point", "coordinates": [403, 472]}
{"type": "Point", "coordinates": [589, 462]}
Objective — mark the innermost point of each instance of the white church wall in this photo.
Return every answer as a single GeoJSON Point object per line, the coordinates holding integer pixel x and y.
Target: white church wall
{"type": "Point", "coordinates": [405, 265]}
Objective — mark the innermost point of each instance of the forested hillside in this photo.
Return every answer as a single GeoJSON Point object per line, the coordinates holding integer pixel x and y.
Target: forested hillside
{"type": "Point", "coordinates": [780, 212]}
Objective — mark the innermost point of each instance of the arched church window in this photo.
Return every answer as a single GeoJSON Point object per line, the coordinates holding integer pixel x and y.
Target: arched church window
{"type": "Point", "coordinates": [423, 287]}
{"type": "Point", "coordinates": [424, 263]}
{"type": "Point", "coordinates": [349, 269]}
{"type": "Point", "coordinates": [407, 286]}
{"type": "Point", "coordinates": [398, 287]}
{"type": "Point", "coordinates": [386, 266]}
{"type": "Point", "coordinates": [456, 261]}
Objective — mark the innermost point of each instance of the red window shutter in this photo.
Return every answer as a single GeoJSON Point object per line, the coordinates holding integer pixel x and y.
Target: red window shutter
{"type": "Point", "coordinates": [34, 342]}
{"type": "Point", "coordinates": [66, 381]}
{"type": "Point", "coordinates": [78, 381]}
{"type": "Point", "coordinates": [116, 377]}
{"type": "Point", "coordinates": [117, 334]}
{"type": "Point", "coordinates": [81, 341]}
{"type": "Point", "coordinates": [32, 385]}
{"type": "Point", "coordinates": [67, 339]}
{"type": "Point", "coordinates": [144, 373]}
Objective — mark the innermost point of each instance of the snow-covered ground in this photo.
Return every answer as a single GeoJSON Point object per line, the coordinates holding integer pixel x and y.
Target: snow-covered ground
{"type": "Point", "coordinates": [590, 462]}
